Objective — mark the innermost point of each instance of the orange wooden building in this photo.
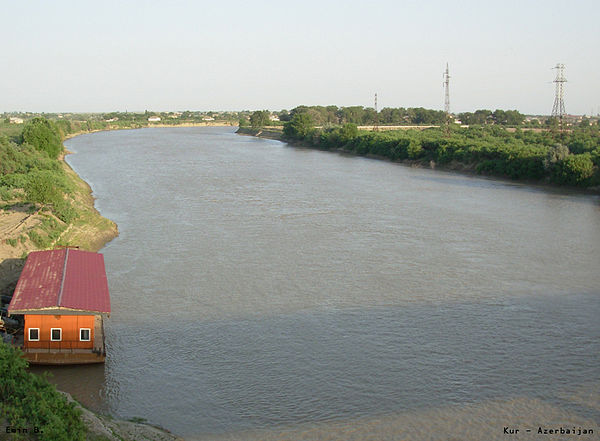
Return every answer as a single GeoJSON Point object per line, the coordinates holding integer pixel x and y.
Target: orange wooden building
{"type": "Point", "coordinates": [63, 296]}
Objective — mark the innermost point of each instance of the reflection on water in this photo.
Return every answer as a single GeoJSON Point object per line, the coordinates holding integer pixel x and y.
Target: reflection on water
{"type": "Point", "coordinates": [264, 291]}
{"type": "Point", "coordinates": [85, 383]}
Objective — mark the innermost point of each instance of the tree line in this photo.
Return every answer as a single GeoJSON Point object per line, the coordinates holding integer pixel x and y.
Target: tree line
{"type": "Point", "coordinates": [565, 158]}
{"type": "Point", "coordinates": [500, 117]}
{"type": "Point", "coordinates": [334, 115]}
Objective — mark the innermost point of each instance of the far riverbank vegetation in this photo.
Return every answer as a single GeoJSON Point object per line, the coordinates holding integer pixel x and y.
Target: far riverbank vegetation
{"type": "Point", "coordinates": [500, 143]}
{"type": "Point", "coordinates": [70, 124]}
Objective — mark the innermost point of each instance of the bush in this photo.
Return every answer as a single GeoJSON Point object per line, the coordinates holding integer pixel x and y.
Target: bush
{"type": "Point", "coordinates": [414, 149]}
{"type": "Point", "coordinates": [574, 170]}
{"type": "Point", "coordinates": [41, 187]}
{"type": "Point", "coordinates": [5, 193]}
{"type": "Point", "coordinates": [31, 401]}
{"type": "Point", "coordinates": [38, 240]}
{"type": "Point", "coordinates": [64, 211]}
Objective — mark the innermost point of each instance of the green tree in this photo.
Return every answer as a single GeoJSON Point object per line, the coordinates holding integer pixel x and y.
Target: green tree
{"type": "Point", "coordinates": [44, 136]}
{"type": "Point", "coordinates": [41, 188]}
{"type": "Point", "coordinates": [353, 114]}
{"type": "Point", "coordinates": [284, 115]}
{"type": "Point", "coordinates": [574, 170]}
{"type": "Point", "coordinates": [347, 132]}
{"type": "Point", "coordinates": [259, 119]}
{"type": "Point", "coordinates": [552, 122]}
{"type": "Point", "coordinates": [299, 127]}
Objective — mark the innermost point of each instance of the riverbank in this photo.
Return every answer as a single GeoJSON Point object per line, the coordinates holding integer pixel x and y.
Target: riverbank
{"type": "Point", "coordinates": [487, 155]}
{"type": "Point", "coordinates": [105, 428]}
{"type": "Point", "coordinates": [20, 224]}
{"type": "Point", "coordinates": [275, 133]}
{"type": "Point", "coordinates": [90, 231]}
{"type": "Point", "coordinates": [24, 228]}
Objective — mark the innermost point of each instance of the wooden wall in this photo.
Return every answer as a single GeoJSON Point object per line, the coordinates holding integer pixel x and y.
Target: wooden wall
{"type": "Point", "coordinates": [70, 325]}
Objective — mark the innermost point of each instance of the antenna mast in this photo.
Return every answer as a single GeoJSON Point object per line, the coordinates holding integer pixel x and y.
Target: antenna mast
{"type": "Point", "coordinates": [558, 110]}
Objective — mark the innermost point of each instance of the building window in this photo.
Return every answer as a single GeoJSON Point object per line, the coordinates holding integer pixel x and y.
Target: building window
{"type": "Point", "coordinates": [34, 334]}
{"type": "Point", "coordinates": [84, 334]}
{"type": "Point", "coordinates": [55, 334]}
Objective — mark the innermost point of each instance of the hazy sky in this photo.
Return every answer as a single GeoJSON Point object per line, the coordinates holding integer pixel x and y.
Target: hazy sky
{"type": "Point", "coordinates": [105, 55]}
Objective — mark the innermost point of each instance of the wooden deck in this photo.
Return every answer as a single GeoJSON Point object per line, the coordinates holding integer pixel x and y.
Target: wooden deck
{"type": "Point", "coordinates": [57, 358]}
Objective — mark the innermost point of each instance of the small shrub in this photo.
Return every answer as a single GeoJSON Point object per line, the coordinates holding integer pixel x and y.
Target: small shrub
{"type": "Point", "coordinates": [65, 211]}
{"type": "Point", "coordinates": [5, 194]}
{"type": "Point", "coordinates": [38, 240]}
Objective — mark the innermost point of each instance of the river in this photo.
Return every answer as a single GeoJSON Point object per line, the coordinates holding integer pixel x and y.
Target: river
{"type": "Point", "coordinates": [263, 291]}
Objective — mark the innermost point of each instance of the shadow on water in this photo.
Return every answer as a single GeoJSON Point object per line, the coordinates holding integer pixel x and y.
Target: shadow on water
{"type": "Point", "coordinates": [455, 178]}
{"type": "Point", "coordinates": [328, 365]}
{"type": "Point", "coordinates": [84, 382]}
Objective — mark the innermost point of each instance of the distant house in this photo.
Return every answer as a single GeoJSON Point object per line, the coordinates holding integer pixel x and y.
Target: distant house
{"type": "Point", "coordinates": [273, 118]}
{"type": "Point", "coordinates": [154, 119]}
{"type": "Point", "coordinates": [15, 120]}
{"type": "Point", "coordinates": [112, 119]}
{"type": "Point", "coordinates": [207, 118]}
{"type": "Point", "coordinates": [63, 296]}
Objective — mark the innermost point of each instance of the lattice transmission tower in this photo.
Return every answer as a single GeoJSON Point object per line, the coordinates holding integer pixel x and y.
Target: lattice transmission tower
{"type": "Point", "coordinates": [447, 91]}
{"type": "Point", "coordinates": [558, 110]}
{"type": "Point", "coordinates": [447, 99]}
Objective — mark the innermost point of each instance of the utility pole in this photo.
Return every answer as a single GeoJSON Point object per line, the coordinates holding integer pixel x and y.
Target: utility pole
{"type": "Point", "coordinates": [447, 99]}
{"type": "Point", "coordinates": [558, 110]}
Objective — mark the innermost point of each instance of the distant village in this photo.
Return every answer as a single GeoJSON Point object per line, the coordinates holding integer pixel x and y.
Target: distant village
{"type": "Point", "coordinates": [231, 118]}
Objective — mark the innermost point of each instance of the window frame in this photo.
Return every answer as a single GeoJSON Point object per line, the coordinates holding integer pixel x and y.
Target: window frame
{"type": "Point", "coordinates": [29, 334]}
{"type": "Point", "coordinates": [56, 329]}
{"type": "Point", "coordinates": [89, 330]}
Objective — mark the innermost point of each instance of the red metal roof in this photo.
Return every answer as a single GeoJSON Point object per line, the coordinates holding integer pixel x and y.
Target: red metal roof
{"type": "Point", "coordinates": [64, 278]}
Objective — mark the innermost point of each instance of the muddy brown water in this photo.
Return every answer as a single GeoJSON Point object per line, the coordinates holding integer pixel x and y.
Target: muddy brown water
{"type": "Point", "coordinates": [262, 291]}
